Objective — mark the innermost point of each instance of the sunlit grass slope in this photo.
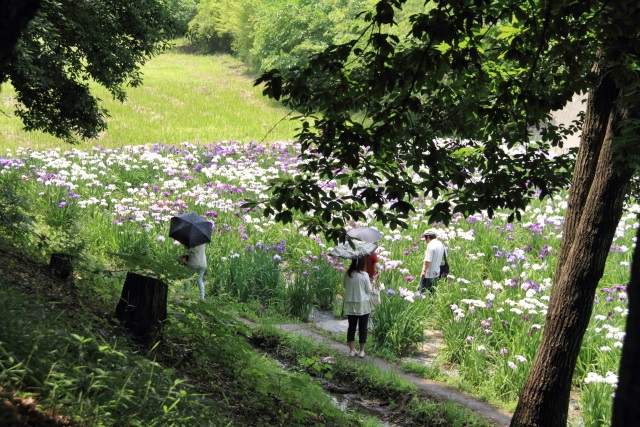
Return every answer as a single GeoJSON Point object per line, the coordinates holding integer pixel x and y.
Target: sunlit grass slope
{"type": "Point", "coordinates": [184, 97]}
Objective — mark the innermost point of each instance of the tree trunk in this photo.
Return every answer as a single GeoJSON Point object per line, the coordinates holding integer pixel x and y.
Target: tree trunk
{"type": "Point", "coordinates": [143, 306]}
{"type": "Point", "coordinates": [14, 16]}
{"type": "Point", "coordinates": [626, 404]}
{"type": "Point", "coordinates": [600, 184]}
{"type": "Point", "coordinates": [599, 106]}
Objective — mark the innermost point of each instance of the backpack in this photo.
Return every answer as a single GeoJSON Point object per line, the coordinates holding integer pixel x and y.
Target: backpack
{"type": "Point", "coordinates": [444, 267]}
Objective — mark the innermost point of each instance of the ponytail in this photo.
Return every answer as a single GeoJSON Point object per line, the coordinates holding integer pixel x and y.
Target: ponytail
{"type": "Point", "coordinates": [357, 264]}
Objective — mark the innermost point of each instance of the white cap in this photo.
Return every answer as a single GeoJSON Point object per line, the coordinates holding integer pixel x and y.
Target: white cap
{"type": "Point", "coordinates": [430, 232]}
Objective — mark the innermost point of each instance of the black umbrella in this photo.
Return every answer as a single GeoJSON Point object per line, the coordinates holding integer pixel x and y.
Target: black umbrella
{"type": "Point", "coordinates": [190, 229]}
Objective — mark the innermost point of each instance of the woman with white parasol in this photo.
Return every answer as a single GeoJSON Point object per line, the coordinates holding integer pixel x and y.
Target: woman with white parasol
{"type": "Point", "coordinates": [357, 295]}
{"type": "Point", "coordinates": [357, 304]}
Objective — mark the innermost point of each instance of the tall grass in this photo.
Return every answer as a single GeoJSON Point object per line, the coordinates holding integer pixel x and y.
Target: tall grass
{"type": "Point", "coordinates": [183, 98]}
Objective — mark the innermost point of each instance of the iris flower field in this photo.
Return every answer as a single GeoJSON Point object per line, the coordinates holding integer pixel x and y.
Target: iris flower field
{"type": "Point", "coordinates": [112, 207]}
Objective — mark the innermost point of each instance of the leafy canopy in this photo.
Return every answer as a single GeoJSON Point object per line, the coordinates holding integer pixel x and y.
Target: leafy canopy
{"type": "Point", "coordinates": [274, 33]}
{"type": "Point", "coordinates": [457, 110]}
{"type": "Point", "coordinates": [69, 44]}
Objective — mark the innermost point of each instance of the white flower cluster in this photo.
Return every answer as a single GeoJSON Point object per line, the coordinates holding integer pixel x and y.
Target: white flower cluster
{"type": "Point", "coordinates": [609, 378]}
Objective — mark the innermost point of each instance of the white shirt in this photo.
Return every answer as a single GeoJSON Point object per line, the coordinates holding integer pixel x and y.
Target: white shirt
{"type": "Point", "coordinates": [434, 254]}
{"type": "Point", "coordinates": [197, 257]}
{"type": "Point", "coordinates": [357, 289]}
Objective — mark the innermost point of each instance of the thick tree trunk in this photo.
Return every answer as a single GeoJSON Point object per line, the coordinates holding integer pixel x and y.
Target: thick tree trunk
{"type": "Point", "coordinates": [600, 185]}
{"type": "Point", "coordinates": [599, 106]}
{"type": "Point", "coordinates": [626, 405]}
{"type": "Point", "coordinates": [14, 16]}
{"type": "Point", "coordinates": [143, 306]}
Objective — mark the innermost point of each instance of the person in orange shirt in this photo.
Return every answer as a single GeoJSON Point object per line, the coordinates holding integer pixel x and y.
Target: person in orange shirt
{"type": "Point", "coordinates": [371, 266]}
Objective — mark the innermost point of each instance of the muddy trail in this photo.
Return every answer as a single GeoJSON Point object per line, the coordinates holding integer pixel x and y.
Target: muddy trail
{"type": "Point", "coordinates": [430, 389]}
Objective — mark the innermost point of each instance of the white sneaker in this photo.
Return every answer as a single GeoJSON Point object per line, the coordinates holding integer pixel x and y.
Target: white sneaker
{"type": "Point", "coordinates": [361, 354]}
{"type": "Point", "coordinates": [353, 353]}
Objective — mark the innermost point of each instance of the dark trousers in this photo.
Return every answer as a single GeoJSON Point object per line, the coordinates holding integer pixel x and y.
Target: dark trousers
{"type": "Point", "coordinates": [427, 284]}
{"type": "Point", "coordinates": [361, 322]}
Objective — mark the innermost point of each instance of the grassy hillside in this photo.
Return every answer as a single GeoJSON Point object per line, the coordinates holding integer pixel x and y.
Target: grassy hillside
{"type": "Point", "coordinates": [184, 97]}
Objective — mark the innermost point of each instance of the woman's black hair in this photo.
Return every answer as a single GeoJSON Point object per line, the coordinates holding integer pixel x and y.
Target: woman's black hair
{"type": "Point", "coordinates": [357, 264]}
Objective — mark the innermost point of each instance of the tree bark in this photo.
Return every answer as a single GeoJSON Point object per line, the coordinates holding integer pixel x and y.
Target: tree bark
{"type": "Point", "coordinates": [600, 184]}
{"type": "Point", "coordinates": [14, 16]}
{"type": "Point", "coordinates": [599, 106]}
{"type": "Point", "coordinates": [143, 306]}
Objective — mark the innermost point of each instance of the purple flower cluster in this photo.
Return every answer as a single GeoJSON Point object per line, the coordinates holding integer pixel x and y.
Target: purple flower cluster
{"type": "Point", "coordinates": [11, 163]}
{"type": "Point", "coordinates": [616, 248]}
{"type": "Point", "coordinates": [544, 251]}
{"type": "Point", "coordinates": [224, 188]}
{"type": "Point", "coordinates": [536, 228]}
{"type": "Point", "coordinates": [528, 284]}
{"type": "Point", "coordinates": [618, 291]}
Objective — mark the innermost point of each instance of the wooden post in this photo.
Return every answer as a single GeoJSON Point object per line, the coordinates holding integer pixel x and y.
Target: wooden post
{"type": "Point", "coordinates": [142, 308]}
{"type": "Point", "coordinates": [61, 265]}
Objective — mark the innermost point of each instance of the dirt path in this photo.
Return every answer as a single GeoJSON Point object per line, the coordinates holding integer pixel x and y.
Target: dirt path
{"type": "Point", "coordinates": [437, 391]}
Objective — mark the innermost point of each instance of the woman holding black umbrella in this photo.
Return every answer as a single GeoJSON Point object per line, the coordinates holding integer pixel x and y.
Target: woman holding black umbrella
{"type": "Point", "coordinates": [357, 304]}
{"type": "Point", "coordinates": [193, 231]}
{"type": "Point", "coordinates": [196, 260]}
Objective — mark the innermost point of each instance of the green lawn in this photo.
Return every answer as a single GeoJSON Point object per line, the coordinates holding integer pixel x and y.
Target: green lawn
{"type": "Point", "coordinates": [184, 97]}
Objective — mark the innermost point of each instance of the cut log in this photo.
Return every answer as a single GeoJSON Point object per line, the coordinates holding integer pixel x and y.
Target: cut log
{"type": "Point", "coordinates": [142, 308]}
{"type": "Point", "coordinates": [61, 265]}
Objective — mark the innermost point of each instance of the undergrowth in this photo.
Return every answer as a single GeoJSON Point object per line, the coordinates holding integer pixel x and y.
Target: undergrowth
{"type": "Point", "coordinates": [60, 346]}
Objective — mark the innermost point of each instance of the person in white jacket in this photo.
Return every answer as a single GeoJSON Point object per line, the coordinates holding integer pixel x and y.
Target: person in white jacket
{"type": "Point", "coordinates": [196, 260]}
{"type": "Point", "coordinates": [433, 257]}
{"type": "Point", "coordinates": [357, 304]}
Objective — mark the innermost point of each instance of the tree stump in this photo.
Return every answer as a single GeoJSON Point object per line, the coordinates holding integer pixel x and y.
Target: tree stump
{"type": "Point", "coordinates": [142, 308]}
{"type": "Point", "coordinates": [61, 265]}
